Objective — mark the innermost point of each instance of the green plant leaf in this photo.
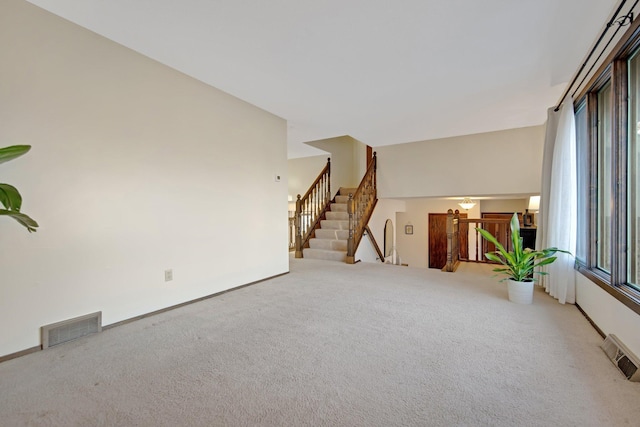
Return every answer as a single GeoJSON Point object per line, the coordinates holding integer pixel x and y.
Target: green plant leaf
{"type": "Point", "coordinates": [520, 263]}
{"type": "Point", "coordinates": [22, 219]}
{"type": "Point", "coordinates": [546, 261]}
{"type": "Point", "coordinates": [486, 235]}
{"type": "Point", "coordinates": [493, 257]}
{"type": "Point", "coordinates": [515, 236]}
{"type": "Point", "coordinates": [10, 153]}
{"type": "Point", "coordinates": [10, 197]}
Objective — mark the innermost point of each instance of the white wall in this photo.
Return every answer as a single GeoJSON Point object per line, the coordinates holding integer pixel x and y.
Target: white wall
{"type": "Point", "coordinates": [611, 316]}
{"type": "Point", "coordinates": [385, 209]}
{"type": "Point", "coordinates": [135, 168]}
{"type": "Point", "coordinates": [494, 163]}
{"type": "Point", "coordinates": [303, 171]}
{"type": "Point", "coordinates": [345, 162]}
{"type": "Point", "coordinates": [504, 205]}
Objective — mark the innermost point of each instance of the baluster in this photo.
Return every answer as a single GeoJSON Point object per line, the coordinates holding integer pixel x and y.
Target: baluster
{"type": "Point", "coordinates": [327, 191]}
{"type": "Point", "coordinates": [313, 204]}
{"type": "Point", "coordinates": [307, 212]}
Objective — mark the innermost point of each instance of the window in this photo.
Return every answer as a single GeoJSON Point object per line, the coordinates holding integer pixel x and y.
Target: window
{"type": "Point", "coordinates": [608, 165]}
{"type": "Point", "coordinates": [582, 151]}
{"type": "Point", "coordinates": [633, 174]}
{"type": "Point", "coordinates": [604, 179]}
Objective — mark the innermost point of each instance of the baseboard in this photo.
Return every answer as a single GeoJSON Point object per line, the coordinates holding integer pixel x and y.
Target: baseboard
{"type": "Point", "coordinates": [20, 353]}
{"type": "Point", "coordinates": [173, 307]}
{"type": "Point", "coordinates": [602, 334]}
{"type": "Point", "coordinates": [142, 316]}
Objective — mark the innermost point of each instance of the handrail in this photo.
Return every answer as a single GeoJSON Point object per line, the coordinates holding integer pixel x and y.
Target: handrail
{"type": "Point", "coordinates": [374, 243]}
{"type": "Point", "coordinates": [360, 207]}
{"type": "Point", "coordinates": [311, 207]}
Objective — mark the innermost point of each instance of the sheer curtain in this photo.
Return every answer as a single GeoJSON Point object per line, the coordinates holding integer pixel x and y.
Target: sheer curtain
{"type": "Point", "coordinates": [558, 202]}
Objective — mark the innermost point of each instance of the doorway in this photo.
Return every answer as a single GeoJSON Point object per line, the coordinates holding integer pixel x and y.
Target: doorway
{"type": "Point", "coordinates": [388, 239]}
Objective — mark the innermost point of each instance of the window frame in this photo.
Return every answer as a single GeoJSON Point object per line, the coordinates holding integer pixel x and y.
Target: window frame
{"type": "Point", "coordinates": [614, 70]}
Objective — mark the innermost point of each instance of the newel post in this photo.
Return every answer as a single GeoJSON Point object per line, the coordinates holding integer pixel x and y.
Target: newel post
{"type": "Point", "coordinates": [456, 239]}
{"type": "Point", "coordinates": [298, 228]}
{"type": "Point", "coordinates": [449, 267]}
{"type": "Point", "coordinates": [350, 242]}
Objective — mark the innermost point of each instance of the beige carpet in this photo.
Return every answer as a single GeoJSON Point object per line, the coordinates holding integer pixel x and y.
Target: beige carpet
{"type": "Point", "coordinates": [333, 345]}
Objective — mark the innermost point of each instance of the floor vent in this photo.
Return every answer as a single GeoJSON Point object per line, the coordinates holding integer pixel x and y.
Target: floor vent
{"type": "Point", "coordinates": [67, 330]}
{"type": "Point", "coordinates": [620, 355]}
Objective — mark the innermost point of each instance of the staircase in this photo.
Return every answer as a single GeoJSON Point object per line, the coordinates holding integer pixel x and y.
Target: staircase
{"type": "Point", "coordinates": [330, 241]}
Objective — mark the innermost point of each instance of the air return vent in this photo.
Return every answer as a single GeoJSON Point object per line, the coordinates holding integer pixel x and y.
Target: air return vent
{"type": "Point", "coordinates": [68, 330]}
{"type": "Point", "coordinates": [620, 355]}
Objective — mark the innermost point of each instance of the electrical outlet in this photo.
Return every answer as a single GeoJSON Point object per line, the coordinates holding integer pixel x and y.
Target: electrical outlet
{"type": "Point", "coordinates": [168, 275]}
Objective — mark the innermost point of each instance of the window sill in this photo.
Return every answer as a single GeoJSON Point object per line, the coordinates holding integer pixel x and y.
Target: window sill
{"type": "Point", "coordinates": [623, 293]}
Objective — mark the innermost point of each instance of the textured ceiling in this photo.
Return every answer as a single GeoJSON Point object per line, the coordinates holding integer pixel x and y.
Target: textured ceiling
{"type": "Point", "coordinates": [383, 72]}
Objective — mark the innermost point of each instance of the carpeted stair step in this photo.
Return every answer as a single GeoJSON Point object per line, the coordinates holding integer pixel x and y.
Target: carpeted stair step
{"type": "Point", "coordinates": [339, 207]}
{"type": "Point", "coordinates": [338, 216]}
{"type": "Point", "coordinates": [330, 241]}
{"type": "Point", "coordinates": [334, 224]}
{"type": "Point", "coordinates": [324, 254]}
{"type": "Point", "coordinates": [332, 234]}
{"type": "Point", "coordinates": [328, 244]}
{"type": "Point", "coordinates": [345, 191]}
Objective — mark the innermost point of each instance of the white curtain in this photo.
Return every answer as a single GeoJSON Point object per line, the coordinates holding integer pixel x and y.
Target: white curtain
{"type": "Point", "coordinates": [558, 202]}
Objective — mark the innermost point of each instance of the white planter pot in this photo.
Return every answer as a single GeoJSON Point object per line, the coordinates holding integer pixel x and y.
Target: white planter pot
{"type": "Point", "coordinates": [520, 292]}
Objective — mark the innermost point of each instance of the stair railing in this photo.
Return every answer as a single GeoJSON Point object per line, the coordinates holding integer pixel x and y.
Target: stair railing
{"type": "Point", "coordinates": [499, 228]}
{"type": "Point", "coordinates": [311, 208]}
{"type": "Point", "coordinates": [458, 247]}
{"type": "Point", "coordinates": [360, 207]}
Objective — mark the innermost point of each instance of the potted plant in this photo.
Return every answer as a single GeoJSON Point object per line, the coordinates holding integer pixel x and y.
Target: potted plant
{"type": "Point", "coordinates": [519, 264]}
{"type": "Point", "coordinates": [10, 198]}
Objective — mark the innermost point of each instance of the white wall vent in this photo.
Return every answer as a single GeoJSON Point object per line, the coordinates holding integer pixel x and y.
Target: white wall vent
{"type": "Point", "coordinates": [67, 330]}
{"type": "Point", "coordinates": [620, 355]}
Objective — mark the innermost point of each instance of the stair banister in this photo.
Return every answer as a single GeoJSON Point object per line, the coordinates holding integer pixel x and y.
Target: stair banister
{"type": "Point", "coordinates": [311, 207]}
{"type": "Point", "coordinates": [374, 243]}
{"type": "Point", "coordinates": [360, 207]}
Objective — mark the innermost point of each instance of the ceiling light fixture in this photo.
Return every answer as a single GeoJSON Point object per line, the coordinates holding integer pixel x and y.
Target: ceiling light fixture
{"type": "Point", "coordinates": [467, 203]}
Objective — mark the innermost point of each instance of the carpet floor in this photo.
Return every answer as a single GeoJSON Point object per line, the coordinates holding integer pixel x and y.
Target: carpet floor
{"type": "Point", "coordinates": [332, 344]}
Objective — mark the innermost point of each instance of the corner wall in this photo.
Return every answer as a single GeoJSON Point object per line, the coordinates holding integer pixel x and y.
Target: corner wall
{"type": "Point", "coordinates": [347, 158]}
{"type": "Point", "coordinates": [135, 168]}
